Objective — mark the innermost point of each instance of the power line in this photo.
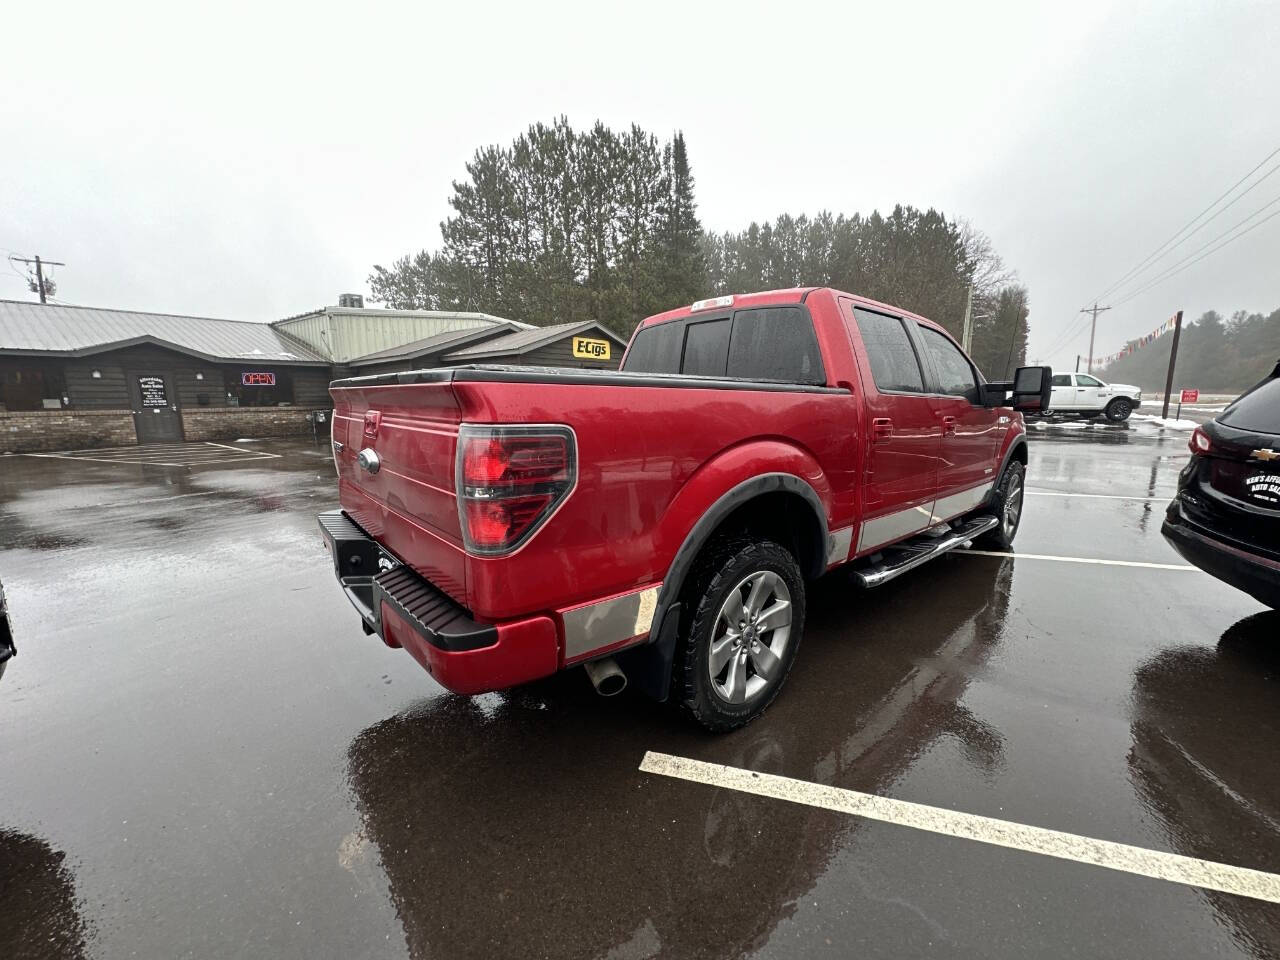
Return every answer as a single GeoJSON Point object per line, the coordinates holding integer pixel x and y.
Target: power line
{"type": "Point", "coordinates": [1223, 210]}
{"type": "Point", "coordinates": [1170, 273]}
{"type": "Point", "coordinates": [1160, 249]}
{"type": "Point", "coordinates": [1074, 327]}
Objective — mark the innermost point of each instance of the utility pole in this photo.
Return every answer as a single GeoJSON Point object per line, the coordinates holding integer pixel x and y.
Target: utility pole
{"type": "Point", "coordinates": [1093, 327]}
{"type": "Point", "coordinates": [968, 318]}
{"type": "Point", "coordinates": [1173, 358]}
{"type": "Point", "coordinates": [1077, 363]}
{"type": "Point", "coordinates": [40, 264]}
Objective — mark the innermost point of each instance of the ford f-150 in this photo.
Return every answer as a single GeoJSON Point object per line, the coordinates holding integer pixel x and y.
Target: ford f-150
{"type": "Point", "coordinates": [658, 524]}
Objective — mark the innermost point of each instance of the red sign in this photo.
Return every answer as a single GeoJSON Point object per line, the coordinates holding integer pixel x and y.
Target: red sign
{"type": "Point", "coordinates": [257, 379]}
{"type": "Point", "coordinates": [1190, 396]}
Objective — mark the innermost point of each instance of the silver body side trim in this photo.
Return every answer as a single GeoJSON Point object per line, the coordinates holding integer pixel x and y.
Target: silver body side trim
{"type": "Point", "coordinates": [952, 505]}
{"type": "Point", "coordinates": [595, 626]}
{"type": "Point", "coordinates": [903, 523]}
{"type": "Point", "coordinates": [838, 544]}
{"type": "Point", "coordinates": [894, 526]}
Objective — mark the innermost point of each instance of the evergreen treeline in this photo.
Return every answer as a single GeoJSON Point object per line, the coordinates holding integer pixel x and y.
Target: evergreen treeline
{"type": "Point", "coordinates": [564, 225]}
{"type": "Point", "coordinates": [1214, 355]}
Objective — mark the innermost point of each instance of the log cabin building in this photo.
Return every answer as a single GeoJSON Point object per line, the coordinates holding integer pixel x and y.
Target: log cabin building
{"type": "Point", "coordinates": [76, 377]}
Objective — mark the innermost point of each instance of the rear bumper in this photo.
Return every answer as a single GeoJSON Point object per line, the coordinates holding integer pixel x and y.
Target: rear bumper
{"type": "Point", "coordinates": [405, 610]}
{"type": "Point", "coordinates": [1256, 575]}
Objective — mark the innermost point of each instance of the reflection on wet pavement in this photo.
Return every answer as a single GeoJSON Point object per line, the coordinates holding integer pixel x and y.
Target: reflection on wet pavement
{"type": "Point", "coordinates": [1187, 777]}
{"type": "Point", "coordinates": [39, 913]}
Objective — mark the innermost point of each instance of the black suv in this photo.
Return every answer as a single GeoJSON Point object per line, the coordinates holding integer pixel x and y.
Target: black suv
{"type": "Point", "coordinates": [7, 649]}
{"type": "Point", "coordinates": [1226, 517]}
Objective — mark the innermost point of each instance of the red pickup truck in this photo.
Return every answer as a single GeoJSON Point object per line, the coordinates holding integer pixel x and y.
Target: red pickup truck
{"type": "Point", "coordinates": [658, 524]}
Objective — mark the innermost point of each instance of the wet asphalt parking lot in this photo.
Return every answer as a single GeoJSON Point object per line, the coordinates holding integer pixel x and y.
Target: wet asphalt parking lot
{"type": "Point", "coordinates": [201, 755]}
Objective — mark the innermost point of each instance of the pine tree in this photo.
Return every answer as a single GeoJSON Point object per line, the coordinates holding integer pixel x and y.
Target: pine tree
{"type": "Point", "coordinates": [683, 272]}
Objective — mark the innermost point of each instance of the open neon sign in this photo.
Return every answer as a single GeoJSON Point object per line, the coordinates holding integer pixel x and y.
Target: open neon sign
{"type": "Point", "coordinates": [257, 379]}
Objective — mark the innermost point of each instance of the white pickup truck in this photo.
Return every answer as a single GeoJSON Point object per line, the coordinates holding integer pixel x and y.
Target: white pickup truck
{"type": "Point", "coordinates": [1086, 395]}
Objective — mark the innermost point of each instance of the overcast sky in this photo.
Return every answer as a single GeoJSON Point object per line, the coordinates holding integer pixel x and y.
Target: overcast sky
{"type": "Point", "coordinates": [253, 162]}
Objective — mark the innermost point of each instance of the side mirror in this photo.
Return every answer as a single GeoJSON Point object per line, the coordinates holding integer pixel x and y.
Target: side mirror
{"type": "Point", "coordinates": [1032, 388]}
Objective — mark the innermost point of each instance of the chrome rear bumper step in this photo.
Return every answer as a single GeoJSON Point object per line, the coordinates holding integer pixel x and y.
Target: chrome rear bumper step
{"type": "Point", "coordinates": [909, 554]}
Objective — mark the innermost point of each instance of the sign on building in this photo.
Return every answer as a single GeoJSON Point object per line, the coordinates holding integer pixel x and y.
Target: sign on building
{"type": "Point", "coordinates": [152, 391]}
{"type": "Point", "coordinates": [584, 348]}
{"type": "Point", "coordinates": [257, 379]}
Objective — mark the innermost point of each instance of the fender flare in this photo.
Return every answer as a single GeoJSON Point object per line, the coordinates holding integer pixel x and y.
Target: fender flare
{"type": "Point", "coordinates": [649, 665]}
{"type": "Point", "coordinates": [1018, 442]}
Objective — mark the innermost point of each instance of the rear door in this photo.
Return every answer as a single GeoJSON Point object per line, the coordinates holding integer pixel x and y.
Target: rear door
{"type": "Point", "coordinates": [1063, 396]}
{"type": "Point", "coordinates": [970, 431]}
{"type": "Point", "coordinates": [904, 433]}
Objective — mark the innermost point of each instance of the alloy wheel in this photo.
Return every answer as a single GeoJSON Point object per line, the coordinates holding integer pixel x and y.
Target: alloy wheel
{"type": "Point", "coordinates": [1012, 506]}
{"type": "Point", "coordinates": [750, 637]}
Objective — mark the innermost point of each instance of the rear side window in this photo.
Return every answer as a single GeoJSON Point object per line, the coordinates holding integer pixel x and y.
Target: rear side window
{"type": "Point", "coordinates": [893, 360]}
{"type": "Point", "coordinates": [955, 376]}
{"type": "Point", "coordinates": [1062, 380]}
{"type": "Point", "coordinates": [1258, 410]}
{"type": "Point", "coordinates": [706, 348]}
{"type": "Point", "coordinates": [657, 349]}
{"type": "Point", "coordinates": [775, 343]}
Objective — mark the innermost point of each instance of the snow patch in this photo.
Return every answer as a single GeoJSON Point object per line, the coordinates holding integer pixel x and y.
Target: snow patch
{"type": "Point", "coordinates": [1165, 424]}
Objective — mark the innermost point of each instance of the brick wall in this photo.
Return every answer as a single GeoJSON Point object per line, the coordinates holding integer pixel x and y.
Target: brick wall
{"type": "Point", "coordinates": [37, 431]}
{"type": "Point", "coordinates": [231, 423]}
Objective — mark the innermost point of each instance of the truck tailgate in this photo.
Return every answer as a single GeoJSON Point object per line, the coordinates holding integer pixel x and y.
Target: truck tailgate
{"type": "Point", "coordinates": [408, 504]}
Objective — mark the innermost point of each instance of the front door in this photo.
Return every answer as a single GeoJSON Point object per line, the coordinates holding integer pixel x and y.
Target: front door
{"type": "Point", "coordinates": [155, 408]}
{"type": "Point", "coordinates": [1089, 393]}
{"type": "Point", "coordinates": [970, 431]}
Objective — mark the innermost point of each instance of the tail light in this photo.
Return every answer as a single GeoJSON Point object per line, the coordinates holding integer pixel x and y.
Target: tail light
{"type": "Point", "coordinates": [510, 479]}
{"type": "Point", "coordinates": [1200, 442]}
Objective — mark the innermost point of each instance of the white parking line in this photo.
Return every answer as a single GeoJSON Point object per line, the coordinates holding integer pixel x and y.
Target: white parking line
{"type": "Point", "coordinates": [1105, 563]}
{"type": "Point", "coordinates": [1156, 864]}
{"type": "Point", "coordinates": [173, 456]}
{"type": "Point", "coordinates": [59, 456]}
{"type": "Point", "coordinates": [1095, 496]}
{"type": "Point", "coordinates": [260, 453]}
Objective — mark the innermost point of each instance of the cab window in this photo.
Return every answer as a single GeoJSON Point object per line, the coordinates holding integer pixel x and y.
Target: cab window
{"type": "Point", "coordinates": [1062, 380]}
{"type": "Point", "coordinates": [955, 375]}
{"type": "Point", "coordinates": [894, 365]}
{"type": "Point", "coordinates": [706, 348]}
{"type": "Point", "coordinates": [656, 349]}
{"type": "Point", "coordinates": [1086, 381]}
{"type": "Point", "coordinates": [775, 343]}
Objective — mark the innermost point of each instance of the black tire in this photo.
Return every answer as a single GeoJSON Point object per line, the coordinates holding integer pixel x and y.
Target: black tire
{"type": "Point", "coordinates": [1119, 409]}
{"type": "Point", "coordinates": [1012, 483]}
{"type": "Point", "coordinates": [726, 566]}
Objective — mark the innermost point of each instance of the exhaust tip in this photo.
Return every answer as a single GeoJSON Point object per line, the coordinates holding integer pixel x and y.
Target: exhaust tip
{"type": "Point", "coordinates": [606, 676]}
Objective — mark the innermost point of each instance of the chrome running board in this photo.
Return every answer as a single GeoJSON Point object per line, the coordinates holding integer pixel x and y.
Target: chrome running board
{"type": "Point", "coordinates": [898, 558]}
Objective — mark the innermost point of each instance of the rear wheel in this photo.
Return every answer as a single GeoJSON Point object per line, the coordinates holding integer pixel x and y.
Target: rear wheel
{"type": "Point", "coordinates": [1006, 504]}
{"type": "Point", "coordinates": [1118, 410]}
{"type": "Point", "coordinates": [748, 607]}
